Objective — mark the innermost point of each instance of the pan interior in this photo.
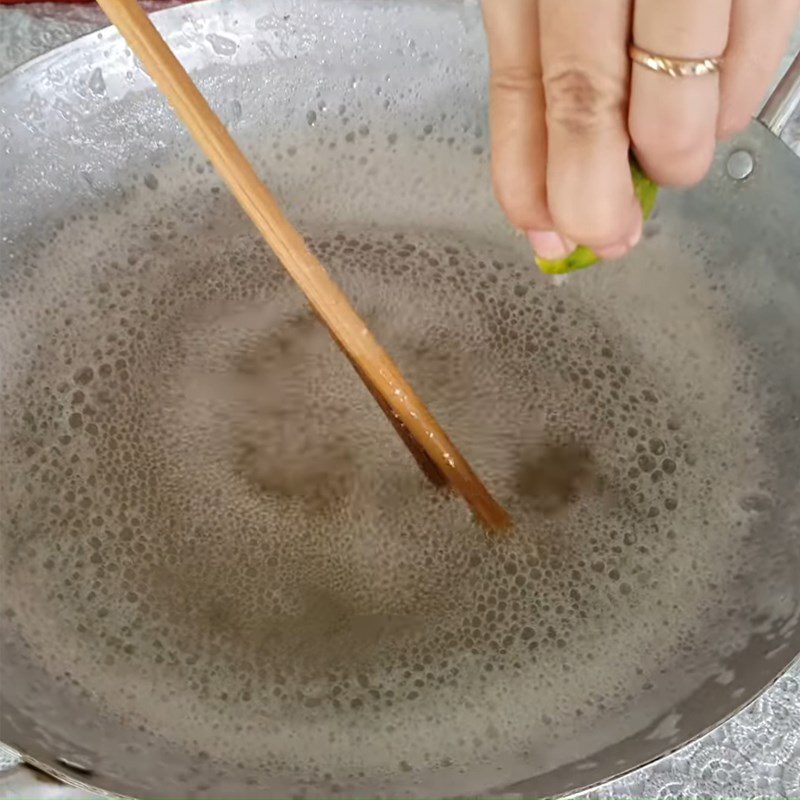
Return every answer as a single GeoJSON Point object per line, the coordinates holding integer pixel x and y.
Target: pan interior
{"type": "Point", "coordinates": [211, 533]}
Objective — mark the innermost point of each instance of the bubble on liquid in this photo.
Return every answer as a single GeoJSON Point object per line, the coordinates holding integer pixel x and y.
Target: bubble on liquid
{"type": "Point", "coordinates": [204, 492]}
{"type": "Point", "coordinates": [96, 81]}
{"type": "Point", "coordinates": [222, 45]}
{"type": "Point", "coordinates": [755, 501]}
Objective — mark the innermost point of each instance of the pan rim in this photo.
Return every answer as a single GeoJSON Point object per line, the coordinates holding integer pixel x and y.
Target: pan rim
{"type": "Point", "coordinates": [177, 11]}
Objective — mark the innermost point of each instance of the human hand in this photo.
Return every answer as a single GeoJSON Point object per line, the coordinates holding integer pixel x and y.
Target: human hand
{"type": "Point", "coordinates": [566, 106]}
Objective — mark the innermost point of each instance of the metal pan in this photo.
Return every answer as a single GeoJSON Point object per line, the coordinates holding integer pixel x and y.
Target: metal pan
{"type": "Point", "coordinates": [367, 119]}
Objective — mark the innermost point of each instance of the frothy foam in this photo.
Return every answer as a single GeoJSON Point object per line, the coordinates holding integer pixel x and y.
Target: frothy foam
{"type": "Point", "coordinates": [208, 522]}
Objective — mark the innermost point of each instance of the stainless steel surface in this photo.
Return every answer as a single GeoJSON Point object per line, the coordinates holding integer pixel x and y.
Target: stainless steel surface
{"type": "Point", "coordinates": [757, 752]}
{"type": "Point", "coordinates": [782, 104]}
{"type": "Point", "coordinates": [23, 782]}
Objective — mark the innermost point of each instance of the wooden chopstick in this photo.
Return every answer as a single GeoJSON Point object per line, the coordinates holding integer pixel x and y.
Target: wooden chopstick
{"type": "Point", "coordinates": [431, 445]}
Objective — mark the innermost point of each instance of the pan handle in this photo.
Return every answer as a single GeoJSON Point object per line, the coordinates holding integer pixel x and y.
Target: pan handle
{"type": "Point", "coordinates": [783, 101]}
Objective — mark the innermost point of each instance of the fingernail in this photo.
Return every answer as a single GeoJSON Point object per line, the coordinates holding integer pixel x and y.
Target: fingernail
{"type": "Point", "coordinates": [636, 236]}
{"type": "Point", "coordinates": [549, 245]}
{"type": "Point", "coordinates": [612, 251]}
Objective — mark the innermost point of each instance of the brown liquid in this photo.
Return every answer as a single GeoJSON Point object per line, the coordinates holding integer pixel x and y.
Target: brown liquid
{"type": "Point", "coordinates": [203, 493]}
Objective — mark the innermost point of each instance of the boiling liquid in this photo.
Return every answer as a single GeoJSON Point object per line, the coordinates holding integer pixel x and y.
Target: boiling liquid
{"type": "Point", "coordinates": [209, 523]}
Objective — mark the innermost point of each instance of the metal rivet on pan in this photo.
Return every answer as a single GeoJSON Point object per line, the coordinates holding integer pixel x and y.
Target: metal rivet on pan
{"type": "Point", "coordinates": [740, 165]}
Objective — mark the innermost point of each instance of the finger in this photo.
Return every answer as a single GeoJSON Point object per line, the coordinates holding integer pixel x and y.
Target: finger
{"type": "Point", "coordinates": [673, 121]}
{"type": "Point", "coordinates": [759, 36]}
{"type": "Point", "coordinates": [516, 113]}
{"type": "Point", "coordinates": [585, 74]}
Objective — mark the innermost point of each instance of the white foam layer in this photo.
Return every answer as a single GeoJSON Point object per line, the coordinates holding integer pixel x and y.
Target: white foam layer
{"type": "Point", "coordinates": [209, 523]}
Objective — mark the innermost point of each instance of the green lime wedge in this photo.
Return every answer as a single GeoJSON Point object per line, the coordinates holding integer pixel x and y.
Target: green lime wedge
{"type": "Point", "coordinates": [582, 256]}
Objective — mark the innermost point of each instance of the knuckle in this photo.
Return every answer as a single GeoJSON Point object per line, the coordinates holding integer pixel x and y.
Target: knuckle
{"type": "Point", "coordinates": [676, 154]}
{"type": "Point", "coordinates": [665, 138]}
{"type": "Point", "coordinates": [731, 123]}
{"type": "Point", "coordinates": [522, 202]}
{"type": "Point", "coordinates": [602, 224]}
{"type": "Point", "coordinates": [520, 193]}
{"type": "Point", "coordinates": [691, 170]}
{"type": "Point", "coordinates": [580, 101]}
{"type": "Point", "coordinates": [514, 80]}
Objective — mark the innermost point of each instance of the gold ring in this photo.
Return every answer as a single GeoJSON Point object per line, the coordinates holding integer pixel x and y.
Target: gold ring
{"type": "Point", "coordinates": [675, 67]}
